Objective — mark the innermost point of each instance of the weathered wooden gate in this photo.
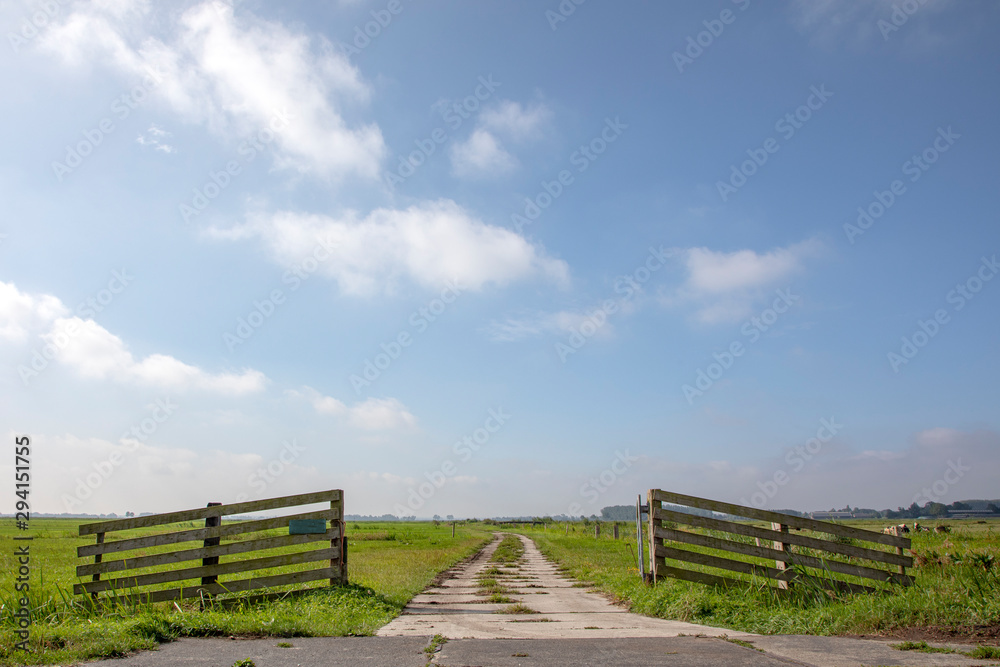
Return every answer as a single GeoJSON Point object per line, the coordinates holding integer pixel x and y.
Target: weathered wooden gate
{"type": "Point", "coordinates": [249, 546]}
{"type": "Point", "coordinates": [792, 556]}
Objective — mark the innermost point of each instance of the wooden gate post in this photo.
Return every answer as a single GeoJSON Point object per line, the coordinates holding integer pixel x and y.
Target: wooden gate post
{"type": "Point", "coordinates": [211, 522]}
{"type": "Point", "coordinates": [97, 559]}
{"type": "Point", "coordinates": [781, 546]}
{"type": "Point", "coordinates": [337, 509]}
{"type": "Point", "coordinates": [656, 562]}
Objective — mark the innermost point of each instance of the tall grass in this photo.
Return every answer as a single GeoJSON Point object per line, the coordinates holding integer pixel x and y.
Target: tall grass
{"type": "Point", "coordinates": [385, 572]}
{"type": "Point", "coordinates": [957, 586]}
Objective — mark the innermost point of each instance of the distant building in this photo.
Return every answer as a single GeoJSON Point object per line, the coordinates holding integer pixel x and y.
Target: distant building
{"type": "Point", "coordinates": [972, 514]}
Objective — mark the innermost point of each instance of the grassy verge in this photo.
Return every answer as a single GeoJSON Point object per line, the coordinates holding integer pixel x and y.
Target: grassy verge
{"type": "Point", "coordinates": [957, 588]}
{"type": "Point", "coordinates": [388, 565]}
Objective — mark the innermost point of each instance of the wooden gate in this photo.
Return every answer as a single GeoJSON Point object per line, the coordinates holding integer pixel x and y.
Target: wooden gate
{"type": "Point", "coordinates": [249, 541]}
{"type": "Point", "coordinates": [834, 564]}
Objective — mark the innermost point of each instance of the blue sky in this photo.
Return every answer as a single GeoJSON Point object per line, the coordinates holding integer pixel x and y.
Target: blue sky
{"type": "Point", "coordinates": [502, 257]}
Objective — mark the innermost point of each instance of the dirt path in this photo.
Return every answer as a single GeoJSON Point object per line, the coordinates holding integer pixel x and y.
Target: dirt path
{"type": "Point", "coordinates": [455, 609]}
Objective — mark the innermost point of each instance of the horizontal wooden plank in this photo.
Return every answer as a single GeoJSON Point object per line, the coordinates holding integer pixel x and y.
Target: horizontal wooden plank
{"type": "Point", "coordinates": [709, 560]}
{"type": "Point", "coordinates": [205, 512]}
{"type": "Point", "coordinates": [225, 530]}
{"type": "Point", "coordinates": [141, 580]}
{"type": "Point", "coordinates": [696, 577]}
{"type": "Point", "coordinates": [787, 519]}
{"type": "Point", "coordinates": [228, 587]}
{"type": "Point", "coordinates": [761, 552]}
{"type": "Point", "coordinates": [788, 538]}
{"type": "Point", "coordinates": [228, 549]}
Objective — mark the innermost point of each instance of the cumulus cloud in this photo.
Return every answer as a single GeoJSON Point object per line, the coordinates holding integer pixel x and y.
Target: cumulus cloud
{"type": "Point", "coordinates": [94, 352]}
{"type": "Point", "coordinates": [373, 414]}
{"type": "Point", "coordinates": [515, 120]}
{"type": "Point", "coordinates": [481, 154]}
{"type": "Point", "coordinates": [234, 75]}
{"type": "Point", "coordinates": [21, 313]}
{"type": "Point", "coordinates": [726, 286]}
{"type": "Point", "coordinates": [429, 244]}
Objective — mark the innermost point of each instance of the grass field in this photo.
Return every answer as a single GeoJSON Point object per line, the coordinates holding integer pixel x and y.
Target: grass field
{"type": "Point", "coordinates": [388, 564]}
{"type": "Point", "coordinates": [957, 589]}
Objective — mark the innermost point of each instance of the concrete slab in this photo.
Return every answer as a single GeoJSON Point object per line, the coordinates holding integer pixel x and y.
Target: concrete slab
{"type": "Point", "coordinates": [453, 609]}
{"type": "Point", "coordinates": [639, 652]}
{"type": "Point", "coordinates": [847, 652]}
{"type": "Point", "coordinates": [332, 651]}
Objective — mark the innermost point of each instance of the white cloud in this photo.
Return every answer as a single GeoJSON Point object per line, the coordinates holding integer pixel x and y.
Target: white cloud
{"type": "Point", "coordinates": [373, 414]}
{"type": "Point", "coordinates": [94, 352]}
{"type": "Point", "coordinates": [157, 138]}
{"type": "Point", "coordinates": [233, 75]}
{"type": "Point", "coordinates": [377, 414]}
{"type": "Point", "coordinates": [725, 286]}
{"type": "Point", "coordinates": [831, 23]}
{"type": "Point", "coordinates": [430, 244]}
{"type": "Point", "coordinates": [480, 155]}
{"type": "Point", "coordinates": [21, 313]}
{"type": "Point", "coordinates": [562, 322]}
{"type": "Point", "coordinates": [513, 120]}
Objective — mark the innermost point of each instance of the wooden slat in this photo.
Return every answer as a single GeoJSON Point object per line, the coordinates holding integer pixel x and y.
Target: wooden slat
{"type": "Point", "coordinates": [274, 542]}
{"type": "Point", "coordinates": [697, 577]}
{"type": "Point", "coordinates": [788, 519]}
{"type": "Point", "coordinates": [208, 571]}
{"type": "Point", "coordinates": [205, 512]}
{"type": "Point", "coordinates": [755, 569]}
{"type": "Point", "coordinates": [231, 586]}
{"type": "Point", "coordinates": [774, 554]}
{"type": "Point", "coordinates": [225, 530]}
{"type": "Point", "coordinates": [788, 538]}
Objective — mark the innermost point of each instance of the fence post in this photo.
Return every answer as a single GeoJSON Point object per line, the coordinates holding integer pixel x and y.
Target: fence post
{"type": "Point", "coordinates": [781, 546]}
{"type": "Point", "coordinates": [656, 562]}
{"type": "Point", "coordinates": [597, 530]}
{"type": "Point", "coordinates": [337, 508]}
{"type": "Point", "coordinates": [453, 529]}
{"type": "Point", "coordinates": [615, 530]}
{"type": "Point", "coordinates": [211, 522]}
{"type": "Point", "coordinates": [97, 559]}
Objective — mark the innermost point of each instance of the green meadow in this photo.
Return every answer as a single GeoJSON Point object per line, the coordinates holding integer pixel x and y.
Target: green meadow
{"type": "Point", "coordinates": [388, 564]}
{"type": "Point", "coordinates": [957, 586]}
